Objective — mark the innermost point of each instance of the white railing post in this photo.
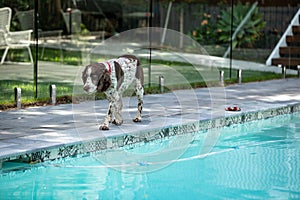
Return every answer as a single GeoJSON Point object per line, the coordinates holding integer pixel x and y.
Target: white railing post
{"type": "Point", "coordinates": [239, 76]}
{"type": "Point", "coordinates": [18, 97]}
{"type": "Point", "coordinates": [53, 94]}
{"type": "Point", "coordinates": [222, 78]}
{"type": "Point", "coordinates": [283, 72]}
{"type": "Point", "coordinates": [161, 83]}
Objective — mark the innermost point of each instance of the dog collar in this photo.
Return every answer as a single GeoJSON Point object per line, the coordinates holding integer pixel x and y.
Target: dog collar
{"type": "Point", "coordinates": [108, 67]}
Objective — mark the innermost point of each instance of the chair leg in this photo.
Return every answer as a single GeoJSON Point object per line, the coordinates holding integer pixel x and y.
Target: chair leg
{"type": "Point", "coordinates": [4, 55]}
{"type": "Point", "coordinates": [30, 55]}
{"type": "Point", "coordinates": [61, 54]}
{"type": "Point", "coordinates": [43, 50]}
{"type": "Point", "coordinates": [42, 54]}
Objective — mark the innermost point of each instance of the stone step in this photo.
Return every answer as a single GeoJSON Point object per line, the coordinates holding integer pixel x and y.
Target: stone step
{"type": "Point", "coordinates": [291, 63]}
{"type": "Point", "coordinates": [292, 51]}
{"type": "Point", "coordinates": [293, 40]}
{"type": "Point", "coordinates": [296, 30]}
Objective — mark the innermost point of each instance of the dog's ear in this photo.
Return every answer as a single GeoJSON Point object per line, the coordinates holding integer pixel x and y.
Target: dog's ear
{"type": "Point", "coordinates": [83, 76]}
{"type": "Point", "coordinates": [104, 82]}
{"type": "Point", "coordinates": [119, 74]}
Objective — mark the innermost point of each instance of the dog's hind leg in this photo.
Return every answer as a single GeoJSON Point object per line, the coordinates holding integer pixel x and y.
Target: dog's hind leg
{"type": "Point", "coordinates": [139, 89]}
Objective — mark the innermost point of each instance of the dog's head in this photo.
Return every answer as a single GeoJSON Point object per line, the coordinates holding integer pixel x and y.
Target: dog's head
{"type": "Point", "coordinates": [96, 77]}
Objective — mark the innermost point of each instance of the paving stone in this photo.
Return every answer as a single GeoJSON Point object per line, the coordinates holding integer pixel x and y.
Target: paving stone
{"type": "Point", "coordinates": [29, 129]}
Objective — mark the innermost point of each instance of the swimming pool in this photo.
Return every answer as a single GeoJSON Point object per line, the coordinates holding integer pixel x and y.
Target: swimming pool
{"type": "Point", "coordinates": [255, 160]}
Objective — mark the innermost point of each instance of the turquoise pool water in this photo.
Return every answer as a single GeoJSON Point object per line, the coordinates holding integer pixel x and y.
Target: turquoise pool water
{"type": "Point", "coordinates": [257, 160]}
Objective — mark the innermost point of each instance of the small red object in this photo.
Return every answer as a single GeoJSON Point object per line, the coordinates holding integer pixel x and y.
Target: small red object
{"type": "Point", "coordinates": [235, 108]}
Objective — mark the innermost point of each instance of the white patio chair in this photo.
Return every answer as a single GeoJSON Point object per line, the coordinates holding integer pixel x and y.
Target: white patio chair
{"type": "Point", "coordinates": [26, 19]}
{"type": "Point", "coordinates": [12, 40]}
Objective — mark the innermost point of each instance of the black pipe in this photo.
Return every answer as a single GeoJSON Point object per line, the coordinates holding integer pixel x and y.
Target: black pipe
{"type": "Point", "coordinates": [36, 38]}
{"type": "Point", "coordinates": [150, 41]}
{"type": "Point", "coordinates": [231, 33]}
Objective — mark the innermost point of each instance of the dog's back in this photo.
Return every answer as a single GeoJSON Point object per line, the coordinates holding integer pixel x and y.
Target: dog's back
{"type": "Point", "coordinates": [139, 70]}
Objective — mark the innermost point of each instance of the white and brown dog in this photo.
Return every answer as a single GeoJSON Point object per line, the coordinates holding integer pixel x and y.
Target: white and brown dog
{"type": "Point", "coordinates": [113, 77]}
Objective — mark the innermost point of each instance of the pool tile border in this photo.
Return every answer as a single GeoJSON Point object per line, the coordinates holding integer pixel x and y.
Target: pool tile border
{"type": "Point", "coordinates": [106, 143]}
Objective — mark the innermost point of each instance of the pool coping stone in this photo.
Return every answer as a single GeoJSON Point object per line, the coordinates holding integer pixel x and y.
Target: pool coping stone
{"type": "Point", "coordinates": [53, 151]}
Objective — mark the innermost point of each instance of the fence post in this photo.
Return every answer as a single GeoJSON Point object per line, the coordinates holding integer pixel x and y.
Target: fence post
{"type": "Point", "coordinates": [161, 83]}
{"type": "Point", "coordinates": [283, 72]}
{"type": "Point", "coordinates": [18, 98]}
{"type": "Point", "coordinates": [53, 94]}
{"type": "Point", "coordinates": [222, 78]}
{"type": "Point", "coordinates": [239, 76]}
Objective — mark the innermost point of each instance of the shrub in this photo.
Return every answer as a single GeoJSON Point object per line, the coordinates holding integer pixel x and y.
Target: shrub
{"type": "Point", "coordinates": [206, 32]}
{"type": "Point", "coordinates": [249, 32]}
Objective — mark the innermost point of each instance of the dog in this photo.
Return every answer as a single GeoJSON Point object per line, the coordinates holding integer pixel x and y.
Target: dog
{"type": "Point", "coordinates": [113, 77]}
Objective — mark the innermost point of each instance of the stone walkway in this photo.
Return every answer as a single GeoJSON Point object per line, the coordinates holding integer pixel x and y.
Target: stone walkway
{"type": "Point", "coordinates": [39, 128]}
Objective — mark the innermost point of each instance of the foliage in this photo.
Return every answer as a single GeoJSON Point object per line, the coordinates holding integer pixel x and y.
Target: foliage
{"type": "Point", "coordinates": [249, 32]}
{"type": "Point", "coordinates": [205, 34]}
{"type": "Point", "coordinates": [18, 5]}
{"type": "Point", "coordinates": [84, 30]}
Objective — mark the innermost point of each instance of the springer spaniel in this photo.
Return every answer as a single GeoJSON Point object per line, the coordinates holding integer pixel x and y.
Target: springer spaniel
{"type": "Point", "coordinates": [113, 77]}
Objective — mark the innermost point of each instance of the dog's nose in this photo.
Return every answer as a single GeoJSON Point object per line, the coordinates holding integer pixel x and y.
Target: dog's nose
{"type": "Point", "coordinates": [86, 87]}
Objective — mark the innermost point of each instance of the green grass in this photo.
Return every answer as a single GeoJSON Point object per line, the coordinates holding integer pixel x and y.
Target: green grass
{"type": "Point", "coordinates": [69, 57]}
{"type": "Point", "coordinates": [51, 55]}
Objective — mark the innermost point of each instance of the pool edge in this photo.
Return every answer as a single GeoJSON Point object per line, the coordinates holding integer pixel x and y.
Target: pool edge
{"type": "Point", "coordinates": [106, 143]}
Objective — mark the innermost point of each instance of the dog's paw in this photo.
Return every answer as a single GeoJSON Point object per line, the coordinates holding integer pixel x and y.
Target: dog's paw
{"type": "Point", "coordinates": [137, 120]}
{"type": "Point", "coordinates": [118, 123]}
{"type": "Point", "coordinates": [103, 127]}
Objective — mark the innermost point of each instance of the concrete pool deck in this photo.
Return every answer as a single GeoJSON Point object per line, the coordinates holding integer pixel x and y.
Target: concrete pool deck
{"type": "Point", "coordinates": [44, 133]}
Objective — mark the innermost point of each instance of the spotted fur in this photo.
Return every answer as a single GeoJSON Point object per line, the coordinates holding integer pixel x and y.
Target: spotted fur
{"type": "Point", "coordinates": [113, 77]}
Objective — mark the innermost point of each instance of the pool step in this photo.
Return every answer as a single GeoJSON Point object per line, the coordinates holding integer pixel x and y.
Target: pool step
{"type": "Point", "coordinates": [14, 165]}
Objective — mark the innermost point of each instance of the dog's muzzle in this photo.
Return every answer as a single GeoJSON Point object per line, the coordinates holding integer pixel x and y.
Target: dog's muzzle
{"type": "Point", "coordinates": [89, 88]}
{"type": "Point", "coordinates": [86, 88]}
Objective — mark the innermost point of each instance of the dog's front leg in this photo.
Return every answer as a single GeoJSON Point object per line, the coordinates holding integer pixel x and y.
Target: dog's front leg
{"type": "Point", "coordinates": [117, 109]}
{"type": "Point", "coordinates": [107, 119]}
{"type": "Point", "coordinates": [139, 89]}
